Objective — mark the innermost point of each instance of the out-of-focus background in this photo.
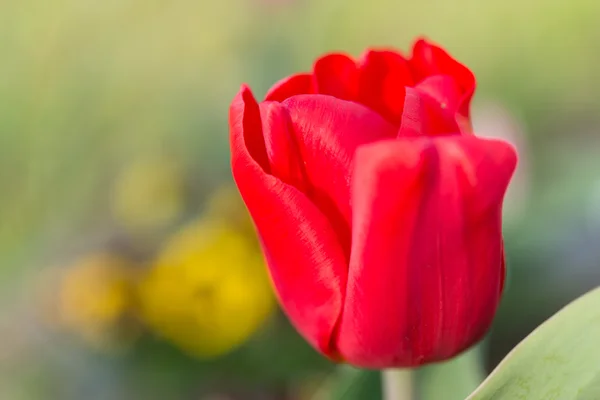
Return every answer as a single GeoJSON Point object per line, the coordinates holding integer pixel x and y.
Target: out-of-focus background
{"type": "Point", "coordinates": [128, 267]}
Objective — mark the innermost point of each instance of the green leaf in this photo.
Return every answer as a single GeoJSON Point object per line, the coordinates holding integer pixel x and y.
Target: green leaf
{"type": "Point", "coordinates": [451, 380]}
{"type": "Point", "coordinates": [560, 360]}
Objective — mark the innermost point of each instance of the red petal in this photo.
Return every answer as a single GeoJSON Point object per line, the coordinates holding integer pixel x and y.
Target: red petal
{"type": "Point", "coordinates": [290, 86]}
{"type": "Point", "coordinates": [282, 148]}
{"type": "Point", "coordinates": [328, 131]}
{"type": "Point", "coordinates": [428, 59]}
{"type": "Point", "coordinates": [336, 75]}
{"type": "Point", "coordinates": [383, 77]}
{"type": "Point", "coordinates": [253, 144]}
{"type": "Point", "coordinates": [423, 115]}
{"type": "Point", "coordinates": [426, 263]}
{"type": "Point", "coordinates": [306, 262]}
{"type": "Point", "coordinates": [443, 89]}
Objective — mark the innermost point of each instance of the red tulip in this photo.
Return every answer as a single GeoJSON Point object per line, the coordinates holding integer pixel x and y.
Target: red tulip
{"type": "Point", "coordinates": [378, 210]}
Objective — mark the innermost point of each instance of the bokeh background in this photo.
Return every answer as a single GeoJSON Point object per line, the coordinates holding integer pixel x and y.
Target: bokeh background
{"type": "Point", "coordinates": [128, 267]}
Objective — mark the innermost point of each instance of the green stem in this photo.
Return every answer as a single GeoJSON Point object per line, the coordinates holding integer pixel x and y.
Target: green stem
{"type": "Point", "coordinates": [397, 384]}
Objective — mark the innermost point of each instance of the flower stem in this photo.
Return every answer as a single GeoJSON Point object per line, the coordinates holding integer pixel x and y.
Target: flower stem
{"type": "Point", "coordinates": [397, 384]}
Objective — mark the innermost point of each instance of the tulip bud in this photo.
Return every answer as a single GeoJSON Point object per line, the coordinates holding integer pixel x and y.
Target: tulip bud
{"type": "Point", "coordinates": [379, 211]}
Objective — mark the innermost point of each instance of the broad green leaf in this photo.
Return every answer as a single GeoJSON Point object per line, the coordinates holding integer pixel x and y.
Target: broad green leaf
{"type": "Point", "coordinates": [451, 380]}
{"type": "Point", "coordinates": [560, 360]}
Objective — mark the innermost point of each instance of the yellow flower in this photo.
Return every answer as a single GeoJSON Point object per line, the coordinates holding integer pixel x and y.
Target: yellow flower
{"type": "Point", "coordinates": [227, 205]}
{"type": "Point", "coordinates": [95, 297]}
{"type": "Point", "coordinates": [149, 194]}
{"type": "Point", "coordinates": [208, 291]}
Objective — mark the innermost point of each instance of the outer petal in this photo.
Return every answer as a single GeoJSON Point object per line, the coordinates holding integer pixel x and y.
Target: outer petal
{"type": "Point", "coordinates": [428, 60]}
{"type": "Point", "coordinates": [383, 76]}
{"type": "Point", "coordinates": [291, 86]}
{"type": "Point", "coordinates": [306, 263]}
{"type": "Point", "coordinates": [282, 147]}
{"type": "Point", "coordinates": [426, 266]}
{"type": "Point", "coordinates": [327, 131]}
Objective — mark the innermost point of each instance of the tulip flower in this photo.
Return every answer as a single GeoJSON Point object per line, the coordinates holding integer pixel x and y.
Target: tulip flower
{"type": "Point", "coordinates": [378, 209]}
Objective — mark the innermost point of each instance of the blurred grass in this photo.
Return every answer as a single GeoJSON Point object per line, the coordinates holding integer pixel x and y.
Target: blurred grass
{"type": "Point", "coordinates": [88, 86]}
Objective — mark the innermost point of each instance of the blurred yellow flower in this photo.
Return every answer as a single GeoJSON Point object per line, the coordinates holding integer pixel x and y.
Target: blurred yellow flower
{"type": "Point", "coordinates": [149, 194]}
{"type": "Point", "coordinates": [94, 299]}
{"type": "Point", "coordinates": [208, 291]}
{"type": "Point", "coordinates": [226, 204]}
